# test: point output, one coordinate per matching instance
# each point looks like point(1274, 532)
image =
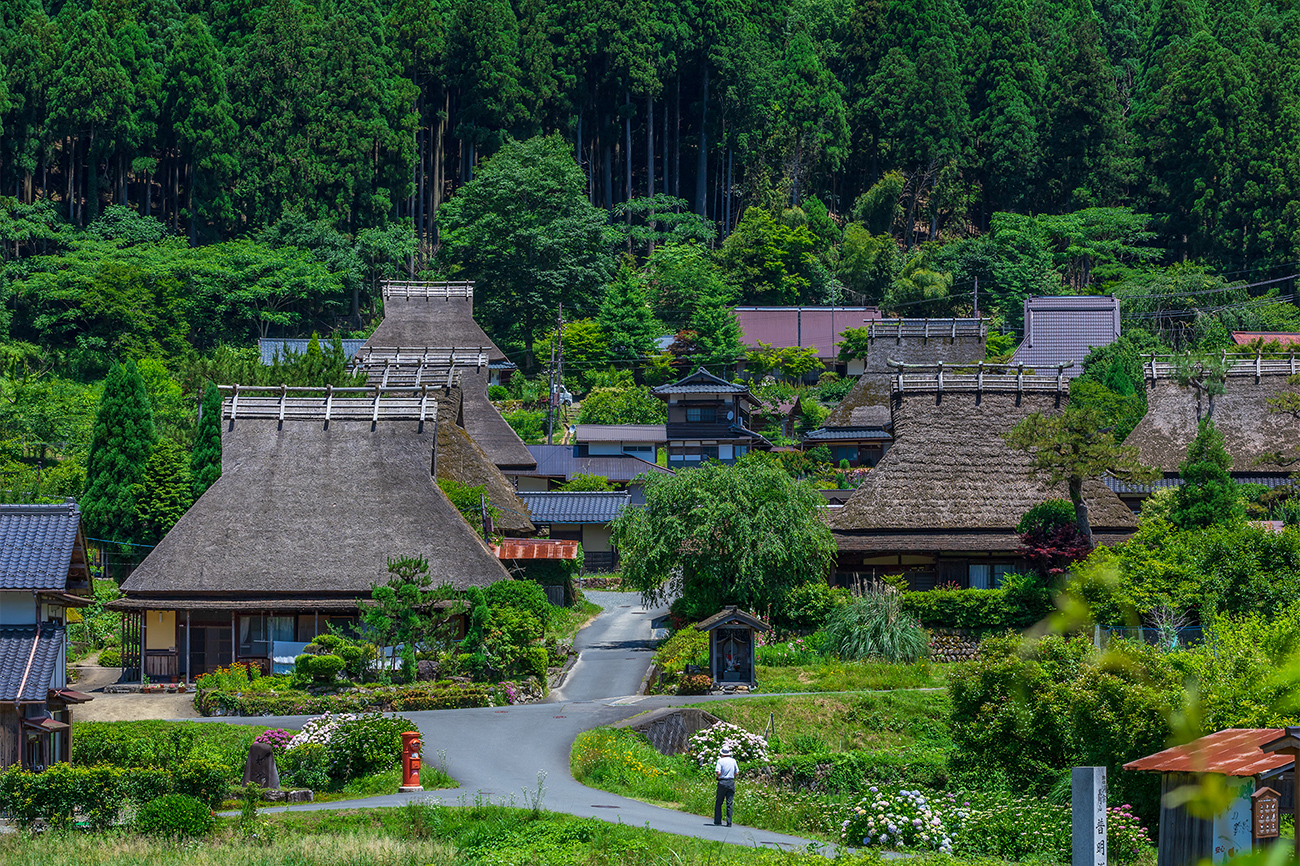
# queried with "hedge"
point(98, 794)
point(443, 695)
point(978, 609)
point(849, 772)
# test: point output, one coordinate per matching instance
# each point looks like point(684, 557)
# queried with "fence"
point(1167, 639)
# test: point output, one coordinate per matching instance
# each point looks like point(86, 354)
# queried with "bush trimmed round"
point(174, 816)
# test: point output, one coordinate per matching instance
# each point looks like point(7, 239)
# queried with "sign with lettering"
point(1233, 826)
point(1265, 813)
point(1088, 807)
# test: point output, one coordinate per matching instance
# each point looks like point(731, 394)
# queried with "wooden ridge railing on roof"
point(1243, 364)
point(330, 403)
point(926, 328)
point(411, 368)
point(979, 377)
point(427, 290)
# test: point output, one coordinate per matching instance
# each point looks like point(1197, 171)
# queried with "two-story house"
point(43, 572)
point(708, 419)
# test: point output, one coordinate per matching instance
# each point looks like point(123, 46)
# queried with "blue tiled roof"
point(24, 675)
point(557, 461)
point(283, 346)
point(36, 543)
point(561, 507)
point(872, 433)
point(1128, 488)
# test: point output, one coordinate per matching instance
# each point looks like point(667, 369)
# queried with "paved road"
point(498, 753)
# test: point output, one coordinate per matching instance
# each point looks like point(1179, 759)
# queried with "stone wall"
point(670, 730)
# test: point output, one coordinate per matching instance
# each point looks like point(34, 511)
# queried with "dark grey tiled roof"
point(270, 347)
point(20, 681)
point(1126, 488)
point(557, 461)
point(873, 433)
point(36, 544)
point(701, 382)
point(1066, 328)
point(560, 507)
point(621, 433)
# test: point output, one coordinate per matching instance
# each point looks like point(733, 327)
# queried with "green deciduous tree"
point(205, 459)
point(629, 405)
point(1208, 495)
point(122, 442)
point(1072, 448)
point(741, 534)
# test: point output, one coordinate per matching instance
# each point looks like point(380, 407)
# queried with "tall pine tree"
point(205, 461)
point(120, 446)
point(1208, 495)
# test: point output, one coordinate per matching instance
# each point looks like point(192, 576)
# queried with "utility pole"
point(557, 372)
point(977, 297)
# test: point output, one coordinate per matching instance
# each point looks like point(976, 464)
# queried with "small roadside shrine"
point(731, 646)
point(1267, 789)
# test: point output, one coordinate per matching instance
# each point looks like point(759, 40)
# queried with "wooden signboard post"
point(1265, 815)
point(1289, 744)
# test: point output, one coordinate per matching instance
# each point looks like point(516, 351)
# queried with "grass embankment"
point(826, 748)
point(565, 622)
point(416, 835)
point(833, 675)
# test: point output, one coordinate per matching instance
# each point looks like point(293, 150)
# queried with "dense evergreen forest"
point(180, 177)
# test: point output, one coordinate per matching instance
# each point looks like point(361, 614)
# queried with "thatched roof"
point(304, 507)
point(949, 470)
point(419, 321)
point(497, 438)
point(867, 405)
point(1240, 414)
point(462, 460)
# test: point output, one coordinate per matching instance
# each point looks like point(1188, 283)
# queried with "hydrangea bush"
point(980, 824)
point(706, 745)
point(321, 729)
point(277, 738)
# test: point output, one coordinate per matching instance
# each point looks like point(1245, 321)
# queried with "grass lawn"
point(837, 676)
point(416, 835)
point(566, 621)
point(826, 749)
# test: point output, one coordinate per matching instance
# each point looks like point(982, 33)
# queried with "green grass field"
point(836, 676)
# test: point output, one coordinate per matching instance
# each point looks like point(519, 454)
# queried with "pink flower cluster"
point(277, 738)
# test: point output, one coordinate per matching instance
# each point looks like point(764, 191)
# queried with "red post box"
point(410, 763)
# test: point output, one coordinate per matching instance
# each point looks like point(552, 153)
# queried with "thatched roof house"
point(425, 317)
point(304, 519)
point(462, 460)
point(1241, 414)
point(943, 504)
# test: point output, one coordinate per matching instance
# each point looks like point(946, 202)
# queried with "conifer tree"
point(1208, 495)
point(205, 461)
point(164, 494)
point(626, 317)
point(120, 446)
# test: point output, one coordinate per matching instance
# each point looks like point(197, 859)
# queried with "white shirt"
point(726, 768)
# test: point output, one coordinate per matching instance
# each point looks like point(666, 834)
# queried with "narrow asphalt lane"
point(501, 753)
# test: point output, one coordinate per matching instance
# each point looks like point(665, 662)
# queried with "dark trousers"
point(726, 791)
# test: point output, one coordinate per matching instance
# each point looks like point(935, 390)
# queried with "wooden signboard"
point(1265, 813)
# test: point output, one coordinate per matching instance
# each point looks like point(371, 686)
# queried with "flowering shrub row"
point(980, 824)
point(706, 745)
point(420, 696)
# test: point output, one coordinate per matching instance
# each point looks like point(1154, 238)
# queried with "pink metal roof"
point(536, 548)
point(819, 327)
point(1241, 338)
point(1233, 752)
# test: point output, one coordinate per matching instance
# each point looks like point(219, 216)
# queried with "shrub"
point(110, 657)
point(277, 738)
point(441, 695)
point(327, 643)
point(521, 594)
point(355, 659)
point(235, 677)
point(325, 669)
point(205, 781)
point(686, 646)
point(1046, 516)
point(1015, 606)
point(807, 606)
point(694, 684)
point(175, 816)
point(534, 662)
point(706, 745)
point(498, 392)
point(367, 744)
point(874, 625)
point(141, 785)
point(307, 766)
point(60, 793)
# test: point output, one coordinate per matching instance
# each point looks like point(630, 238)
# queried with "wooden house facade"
point(708, 419)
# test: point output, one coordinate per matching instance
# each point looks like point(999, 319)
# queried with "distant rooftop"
point(564, 507)
point(819, 328)
point(621, 432)
point(1061, 328)
point(285, 347)
point(1242, 338)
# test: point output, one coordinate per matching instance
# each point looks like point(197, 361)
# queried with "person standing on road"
point(726, 769)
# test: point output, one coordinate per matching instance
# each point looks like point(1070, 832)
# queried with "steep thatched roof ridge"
point(949, 468)
point(462, 460)
point(1240, 414)
point(417, 322)
point(497, 438)
point(304, 508)
point(912, 346)
point(863, 405)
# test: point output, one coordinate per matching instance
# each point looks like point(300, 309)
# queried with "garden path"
point(501, 753)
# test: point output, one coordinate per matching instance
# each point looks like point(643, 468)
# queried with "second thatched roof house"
point(316, 494)
point(942, 506)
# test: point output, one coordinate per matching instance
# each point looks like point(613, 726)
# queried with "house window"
point(256, 633)
point(710, 452)
point(741, 451)
point(701, 414)
point(638, 449)
point(980, 576)
point(1000, 573)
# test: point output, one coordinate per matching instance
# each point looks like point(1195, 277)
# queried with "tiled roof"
point(870, 433)
point(1129, 488)
point(26, 675)
point(270, 347)
point(621, 433)
point(536, 548)
point(701, 382)
point(819, 328)
point(1065, 328)
point(562, 507)
point(36, 543)
point(1233, 752)
point(1242, 338)
point(557, 461)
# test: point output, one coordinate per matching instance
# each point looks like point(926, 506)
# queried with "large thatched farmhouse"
point(942, 506)
point(317, 493)
point(426, 318)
